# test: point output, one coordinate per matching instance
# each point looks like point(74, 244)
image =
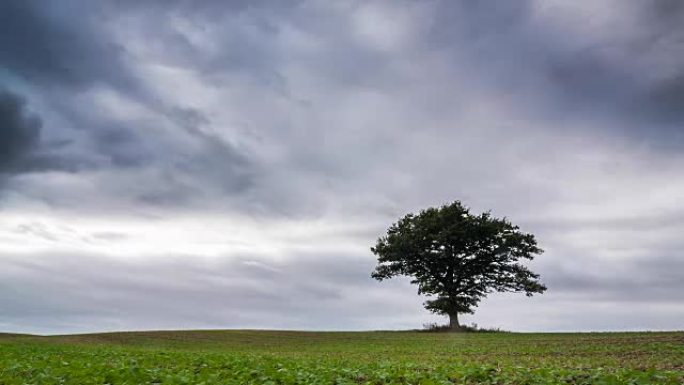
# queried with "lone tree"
point(457, 258)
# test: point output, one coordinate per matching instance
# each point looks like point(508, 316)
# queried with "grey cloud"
point(37, 230)
point(612, 80)
point(479, 22)
point(220, 160)
point(672, 219)
point(90, 292)
point(556, 313)
point(109, 236)
point(215, 8)
point(245, 28)
point(634, 79)
point(186, 176)
point(646, 279)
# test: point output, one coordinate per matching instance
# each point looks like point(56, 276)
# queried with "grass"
point(282, 357)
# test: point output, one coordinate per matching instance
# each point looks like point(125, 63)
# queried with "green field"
point(280, 357)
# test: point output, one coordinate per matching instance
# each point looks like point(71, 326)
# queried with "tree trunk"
point(453, 322)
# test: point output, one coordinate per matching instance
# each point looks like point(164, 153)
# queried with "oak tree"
point(456, 258)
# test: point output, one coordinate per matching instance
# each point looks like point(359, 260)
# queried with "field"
point(270, 357)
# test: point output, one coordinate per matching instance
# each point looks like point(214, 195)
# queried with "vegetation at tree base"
point(457, 257)
point(267, 357)
point(472, 328)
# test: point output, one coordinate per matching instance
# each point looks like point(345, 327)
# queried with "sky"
point(228, 164)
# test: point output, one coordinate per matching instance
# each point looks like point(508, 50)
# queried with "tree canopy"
point(457, 258)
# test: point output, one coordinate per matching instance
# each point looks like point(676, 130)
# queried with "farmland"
point(281, 357)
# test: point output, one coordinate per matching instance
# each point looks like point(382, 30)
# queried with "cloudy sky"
point(228, 164)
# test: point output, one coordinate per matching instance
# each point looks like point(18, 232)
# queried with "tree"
point(457, 258)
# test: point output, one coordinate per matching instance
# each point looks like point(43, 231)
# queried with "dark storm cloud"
point(21, 147)
point(20, 132)
point(58, 44)
point(61, 51)
point(65, 52)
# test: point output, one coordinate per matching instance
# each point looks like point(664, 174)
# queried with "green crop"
point(263, 357)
